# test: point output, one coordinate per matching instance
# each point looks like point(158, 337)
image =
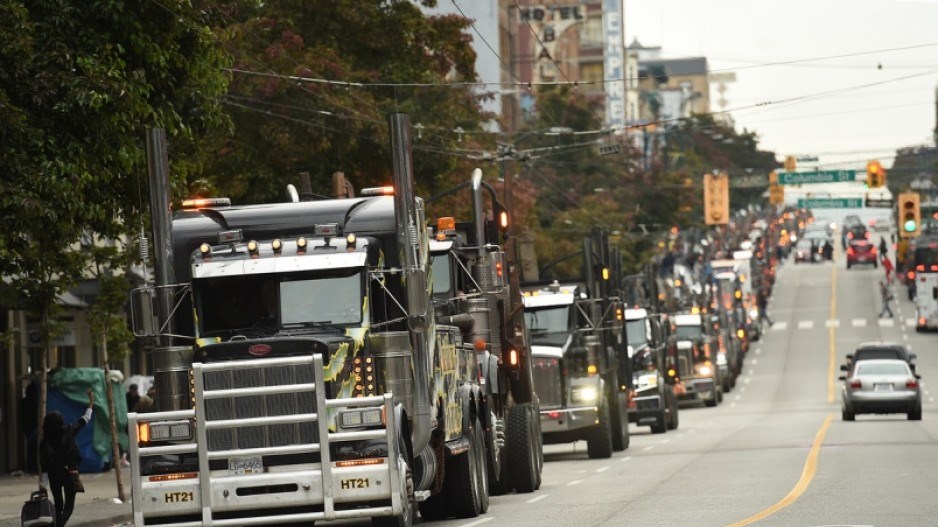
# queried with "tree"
point(81, 82)
point(283, 125)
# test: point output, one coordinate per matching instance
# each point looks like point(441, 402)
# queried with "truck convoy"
point(315, 382)
point(476, 288)
point(580, 358)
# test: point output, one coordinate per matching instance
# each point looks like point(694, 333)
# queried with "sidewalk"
point(96, 507)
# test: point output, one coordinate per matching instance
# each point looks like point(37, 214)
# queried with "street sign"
point(830, 203)
point(807, 159)
point(817, 176)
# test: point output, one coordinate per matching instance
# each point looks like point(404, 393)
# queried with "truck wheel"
point(462, 478)
point(719, 392)
point(538, 440)
point(619, 421)
point(673, 421)
point(522, 448)
point(482, 469)
point(599, 442)
point(661, 424)
point(434, 508)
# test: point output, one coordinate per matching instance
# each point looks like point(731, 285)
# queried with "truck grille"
point(684, 365)
point(260, 406)
point(547, 382)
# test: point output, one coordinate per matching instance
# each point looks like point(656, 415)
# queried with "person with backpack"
point(59, 458)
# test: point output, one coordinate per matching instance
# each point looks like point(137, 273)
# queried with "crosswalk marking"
point(910, 322)
point(886, 322)
point(780, 326)
point(832, 323)
point(806, 324)
point(858, 322)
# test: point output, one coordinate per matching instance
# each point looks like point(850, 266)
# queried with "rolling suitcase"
point(38, 511)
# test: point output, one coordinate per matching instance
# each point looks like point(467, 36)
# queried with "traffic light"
point(716, 199)
point(875, 175)
point(910, 215)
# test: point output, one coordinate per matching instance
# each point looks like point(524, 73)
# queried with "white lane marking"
point(905, 337)
point(780, 326)
point(478, 522)
point(752, 372)
point(537, 499)
point(910, 322)
point(743, 389)
point(602, 469)
point(650, 447)
point(626, 458)
point(755, 361)
point(758, 351)
point(736, 398)
point(665, 441)
point(575, 482)
point(832, 323)
point(931, 399)
point(746, 380)
point(732, 405)
point(858, 322)
point(806, 324)
point(678, 436)
point(886, 322)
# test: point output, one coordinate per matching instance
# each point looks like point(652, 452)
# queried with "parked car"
point(881, 386)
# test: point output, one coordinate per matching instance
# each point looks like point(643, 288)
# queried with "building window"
point(591, 76)
point(591, 32)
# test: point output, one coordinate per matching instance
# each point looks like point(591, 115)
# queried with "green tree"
point(81, 81)
point(283, 126)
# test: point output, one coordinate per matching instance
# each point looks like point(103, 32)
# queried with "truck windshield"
point(548, 319)
point(635, 332)
point(688, 332)
point(273, 301)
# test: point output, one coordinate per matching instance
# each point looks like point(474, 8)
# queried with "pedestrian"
point(886, 293)
point(888, 267)
point(762, 302)
point(133, 396)
point(29, 424)
point(59, 457)
point(883, 246)
point(828, 250)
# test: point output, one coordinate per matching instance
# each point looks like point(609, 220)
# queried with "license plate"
point(238, 466)
point(882, 387)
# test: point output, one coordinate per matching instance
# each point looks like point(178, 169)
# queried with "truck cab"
point(697, 365)
point(655, 402)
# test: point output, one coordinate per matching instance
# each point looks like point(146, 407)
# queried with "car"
point(861, 252)
point(881, 386)
point(806, 251)
point(880, 350)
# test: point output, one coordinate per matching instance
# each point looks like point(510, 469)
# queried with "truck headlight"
point(362, 417)
point(753, 314)
point(704, 369)
point(148, 432)
point(583, 395)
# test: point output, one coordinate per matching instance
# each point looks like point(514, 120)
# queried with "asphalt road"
point(776, 451)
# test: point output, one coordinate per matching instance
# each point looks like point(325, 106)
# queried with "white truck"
point(926, 300)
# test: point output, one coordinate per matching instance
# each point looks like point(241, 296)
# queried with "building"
point(670, 89)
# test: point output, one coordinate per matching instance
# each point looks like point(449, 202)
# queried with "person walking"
point(762, 302)
point(59, 458)
point(886, 293)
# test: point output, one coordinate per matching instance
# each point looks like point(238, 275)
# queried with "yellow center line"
point(810, 468)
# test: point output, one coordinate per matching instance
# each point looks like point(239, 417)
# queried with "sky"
point(844, 128)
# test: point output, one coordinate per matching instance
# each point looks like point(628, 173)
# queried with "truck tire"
point(619, 421)
point(462, 478)
point(599, 442)
point(482, 468)
point(713, 400)
point(523, 453)
point(661, 424)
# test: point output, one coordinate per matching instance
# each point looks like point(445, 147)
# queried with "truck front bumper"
point(647, 409)
point(701, 388)
point(566, 420)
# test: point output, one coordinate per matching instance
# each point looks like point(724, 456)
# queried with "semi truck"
point(697, 367)
point(476, 287)
point(649, 339)
point(582, 374)
point(301, 375)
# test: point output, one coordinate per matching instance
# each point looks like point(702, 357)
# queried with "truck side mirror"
point(843, 367)
point(143, 312)
point(849, 357)
point(842, 378)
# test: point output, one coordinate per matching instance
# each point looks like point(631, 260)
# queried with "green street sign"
point(817, 176)
point(830, 203)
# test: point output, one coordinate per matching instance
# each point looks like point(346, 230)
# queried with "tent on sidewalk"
point(68, 393)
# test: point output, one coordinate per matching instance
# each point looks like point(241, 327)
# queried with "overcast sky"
point(845, 128)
